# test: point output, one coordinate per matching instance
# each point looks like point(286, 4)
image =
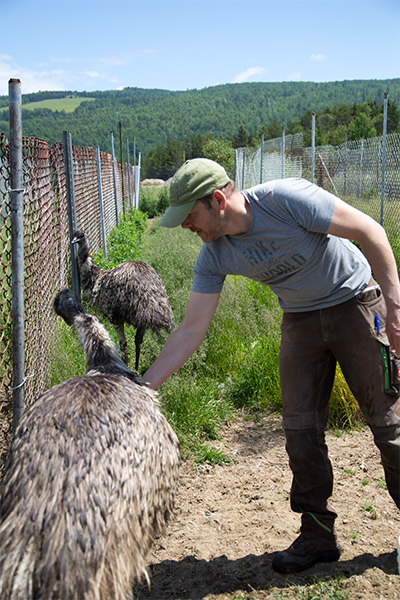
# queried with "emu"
point(132, 293)
point(90, 479)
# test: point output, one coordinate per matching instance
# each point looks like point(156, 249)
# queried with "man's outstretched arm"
point(185, 340)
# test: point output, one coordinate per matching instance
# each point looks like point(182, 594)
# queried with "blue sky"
point(88, 45)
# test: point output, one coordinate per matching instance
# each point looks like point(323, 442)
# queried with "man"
point(295, 237)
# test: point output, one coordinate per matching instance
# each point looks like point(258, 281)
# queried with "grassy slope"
point(68, 104)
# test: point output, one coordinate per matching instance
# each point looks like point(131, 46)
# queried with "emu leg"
point(138, 342)
point(123, 345)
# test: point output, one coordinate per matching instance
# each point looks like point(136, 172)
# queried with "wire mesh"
point(40, 264)
point(5, 295)
point(354, 171)
point(273, 159)
point(47, 256)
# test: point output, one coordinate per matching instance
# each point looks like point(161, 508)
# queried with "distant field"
point(68, 104)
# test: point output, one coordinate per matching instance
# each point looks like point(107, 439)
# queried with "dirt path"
point(229, 521)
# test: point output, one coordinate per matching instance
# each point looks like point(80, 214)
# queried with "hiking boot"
point(304, 553)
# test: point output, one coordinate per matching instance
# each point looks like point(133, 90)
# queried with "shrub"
point(154, 200)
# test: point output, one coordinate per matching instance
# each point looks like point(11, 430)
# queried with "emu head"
point(80, 238)
point(101, 352)
point(67, 305)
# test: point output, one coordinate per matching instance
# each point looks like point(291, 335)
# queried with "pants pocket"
point(391, 370)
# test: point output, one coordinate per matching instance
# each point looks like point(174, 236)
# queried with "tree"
point(222, 152)
point(241, 138)
point(194, 146)
point(361, 127)
point(393, 118)
point(274, 130)
point(337, 135)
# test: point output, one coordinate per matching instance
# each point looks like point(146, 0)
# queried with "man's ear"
point(220, 197)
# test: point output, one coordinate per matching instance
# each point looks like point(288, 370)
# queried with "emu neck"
point(88, 272)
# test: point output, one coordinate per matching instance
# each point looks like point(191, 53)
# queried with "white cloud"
point(318, 57)
point(94, 74)
point(57, 59)
point(41, 79)
point(249, 73)
point(294, 76)
point(31, 80)
point(120, 61)
point(114, 61)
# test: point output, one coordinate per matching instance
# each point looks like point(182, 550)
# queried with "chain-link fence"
point(365, 173)
point(273, 159)
point(47, 258)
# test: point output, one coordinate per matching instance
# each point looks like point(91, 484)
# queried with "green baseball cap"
point(195, 179)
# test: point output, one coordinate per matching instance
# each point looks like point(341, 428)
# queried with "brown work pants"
point(312, 343)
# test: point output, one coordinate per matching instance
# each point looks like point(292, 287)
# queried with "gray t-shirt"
point(287, 249)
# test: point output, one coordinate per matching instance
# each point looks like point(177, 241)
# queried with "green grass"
point(349, 471)
point(67, 104)
point(333, 588)
point(381, 483)
point(330, 589)
point(125, 241)
point(67, 358)
point(368, 507)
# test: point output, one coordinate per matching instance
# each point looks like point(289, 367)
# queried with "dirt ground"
point(230, 520)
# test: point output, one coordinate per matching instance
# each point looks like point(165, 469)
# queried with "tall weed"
point(125, 241)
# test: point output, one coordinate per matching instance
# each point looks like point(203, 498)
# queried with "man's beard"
point(217, 226)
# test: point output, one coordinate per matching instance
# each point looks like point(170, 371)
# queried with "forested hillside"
point(155, 117)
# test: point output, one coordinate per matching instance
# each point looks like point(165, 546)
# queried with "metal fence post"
point(283, 152)
point(313, 147)
point(103, 235)
point(345, 163)
point(129, 173)
point(384, 155)
point(122, 167)
point(243, 167)
point(115, 177)
point(261, 158)
point(72, 222)
point(236, 166)
point(361, 167)
point(17, 249)
point(138, 180)
point(136, 184)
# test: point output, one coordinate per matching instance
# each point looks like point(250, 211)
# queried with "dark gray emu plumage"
point(90, 479)
point(132, 293)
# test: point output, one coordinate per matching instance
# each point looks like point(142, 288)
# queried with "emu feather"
point(132, 293)
point(90, 479)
